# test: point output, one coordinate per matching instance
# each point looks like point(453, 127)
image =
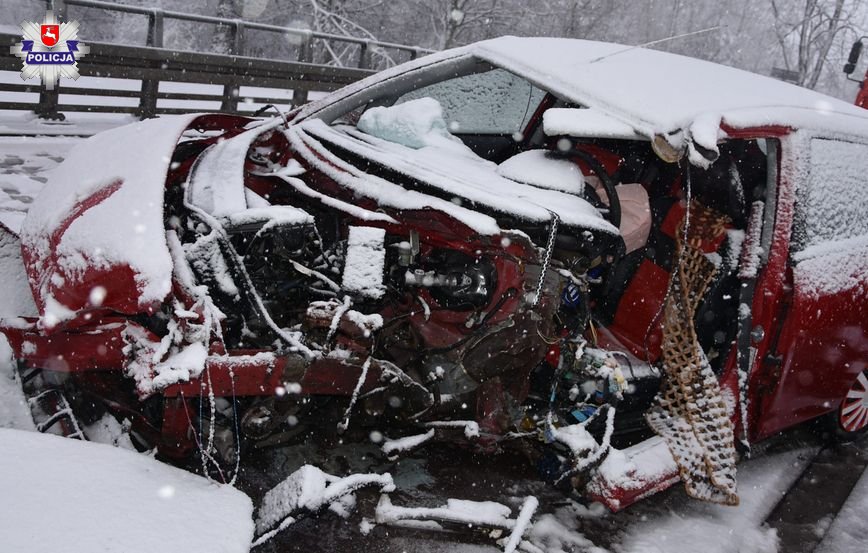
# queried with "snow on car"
point(550, 242)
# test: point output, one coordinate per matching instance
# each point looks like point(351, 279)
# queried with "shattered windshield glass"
point(493, 102)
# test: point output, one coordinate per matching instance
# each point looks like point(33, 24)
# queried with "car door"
point(823, 334)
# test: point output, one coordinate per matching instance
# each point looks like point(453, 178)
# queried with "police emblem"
point(50, 50)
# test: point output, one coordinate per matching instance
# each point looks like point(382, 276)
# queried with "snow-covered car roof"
point(652, 91)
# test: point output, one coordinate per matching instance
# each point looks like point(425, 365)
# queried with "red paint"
point(862, 95)
point(235, 375)
point(96, 349)
point(618, 497)
point(637, 322)
point(333, 377)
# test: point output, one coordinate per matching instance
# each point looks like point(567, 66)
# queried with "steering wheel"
point(608, 181)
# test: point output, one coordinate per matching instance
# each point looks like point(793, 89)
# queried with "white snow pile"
point(271, 216)
point(522, 521)
point(188, 362)
point(550, 535)
point(585, 122)
point(585, 449)
point(217, 181)
point(107, 430)
point(415, 124)
point(155, 365)
point(308, 490)
point(72, 496)
point(540, 168)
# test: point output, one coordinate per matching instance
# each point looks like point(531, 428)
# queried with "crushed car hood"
point(66, 238)
point(457, 180)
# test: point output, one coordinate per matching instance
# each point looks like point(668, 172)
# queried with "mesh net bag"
point(689, 411)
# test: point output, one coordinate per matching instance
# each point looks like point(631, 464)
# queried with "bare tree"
point(331, 16)
point(222, 42)
point(583, 18)
point(455, 22)
point(807, 35)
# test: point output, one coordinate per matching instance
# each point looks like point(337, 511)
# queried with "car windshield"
point(491, 102)
point(476, 97)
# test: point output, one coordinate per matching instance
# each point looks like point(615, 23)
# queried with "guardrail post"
point(59, 8)
point(150, 88)
point(238, 32)
point(230, 91)
point(363, 54)
point(304, 51)
point(299, 96)
point(48, 100)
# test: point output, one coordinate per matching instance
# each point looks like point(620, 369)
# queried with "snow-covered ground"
point(849, 531)
point(67, 495)
point(24, 164)
point(98, 497)
point(690, 526)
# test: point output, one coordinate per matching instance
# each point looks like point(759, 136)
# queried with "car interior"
point(498, 115)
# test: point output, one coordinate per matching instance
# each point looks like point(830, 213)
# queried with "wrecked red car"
point(544, 241)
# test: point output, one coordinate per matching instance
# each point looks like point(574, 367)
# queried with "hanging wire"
point(206, 456)
point(237, 430)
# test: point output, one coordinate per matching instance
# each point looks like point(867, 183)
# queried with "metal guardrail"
point(153, 64)
point(157, 16)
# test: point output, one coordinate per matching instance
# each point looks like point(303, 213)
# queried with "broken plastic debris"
point(404, 444)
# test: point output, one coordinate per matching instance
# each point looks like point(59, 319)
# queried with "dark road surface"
point(432, 474)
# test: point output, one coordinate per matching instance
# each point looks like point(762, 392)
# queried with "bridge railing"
point(153, 63)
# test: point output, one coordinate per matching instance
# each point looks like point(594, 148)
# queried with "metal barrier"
point(152, 64)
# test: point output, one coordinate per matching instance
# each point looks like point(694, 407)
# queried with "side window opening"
point(831, 204)
point(829, 246)
point(631, 301)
